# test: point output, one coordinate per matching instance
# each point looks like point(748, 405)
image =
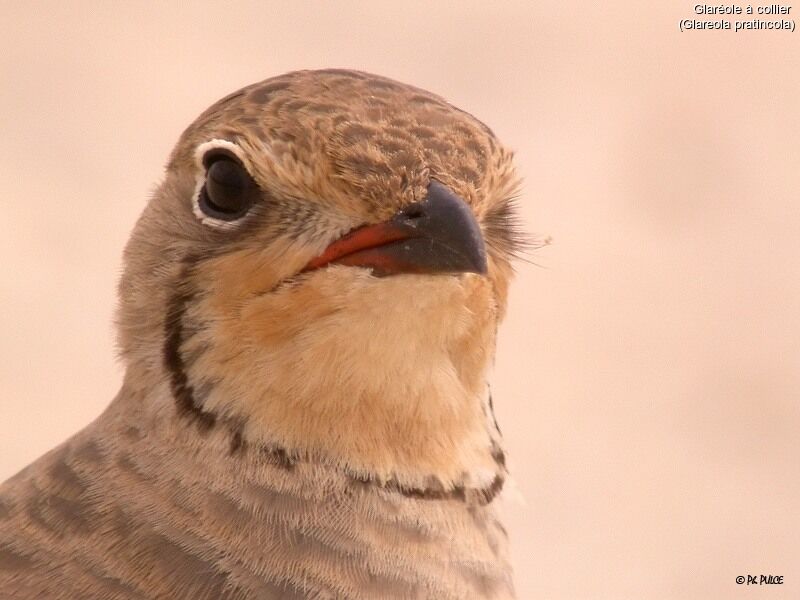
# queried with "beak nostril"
point(414, 212)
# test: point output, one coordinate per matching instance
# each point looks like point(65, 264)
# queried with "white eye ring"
point(199, 154)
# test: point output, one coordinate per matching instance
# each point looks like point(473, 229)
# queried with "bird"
point(307, 317)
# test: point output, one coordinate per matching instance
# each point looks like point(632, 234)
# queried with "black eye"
point(229, 191)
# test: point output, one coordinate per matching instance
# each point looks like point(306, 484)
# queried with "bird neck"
point(387, 381)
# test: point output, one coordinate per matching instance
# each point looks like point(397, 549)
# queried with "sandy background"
point(647, 378)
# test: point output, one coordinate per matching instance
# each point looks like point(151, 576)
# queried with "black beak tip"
point(449, 221)
point(479, 263)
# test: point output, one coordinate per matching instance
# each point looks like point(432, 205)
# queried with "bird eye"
point(229, 190)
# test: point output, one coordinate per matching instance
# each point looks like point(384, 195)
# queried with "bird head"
point(323, 269)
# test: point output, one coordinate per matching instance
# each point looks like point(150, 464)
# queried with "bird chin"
point(402, 360)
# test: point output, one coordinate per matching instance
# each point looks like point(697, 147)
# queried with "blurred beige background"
point(648, 375)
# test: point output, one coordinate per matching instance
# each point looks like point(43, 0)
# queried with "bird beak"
point(438, 235)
